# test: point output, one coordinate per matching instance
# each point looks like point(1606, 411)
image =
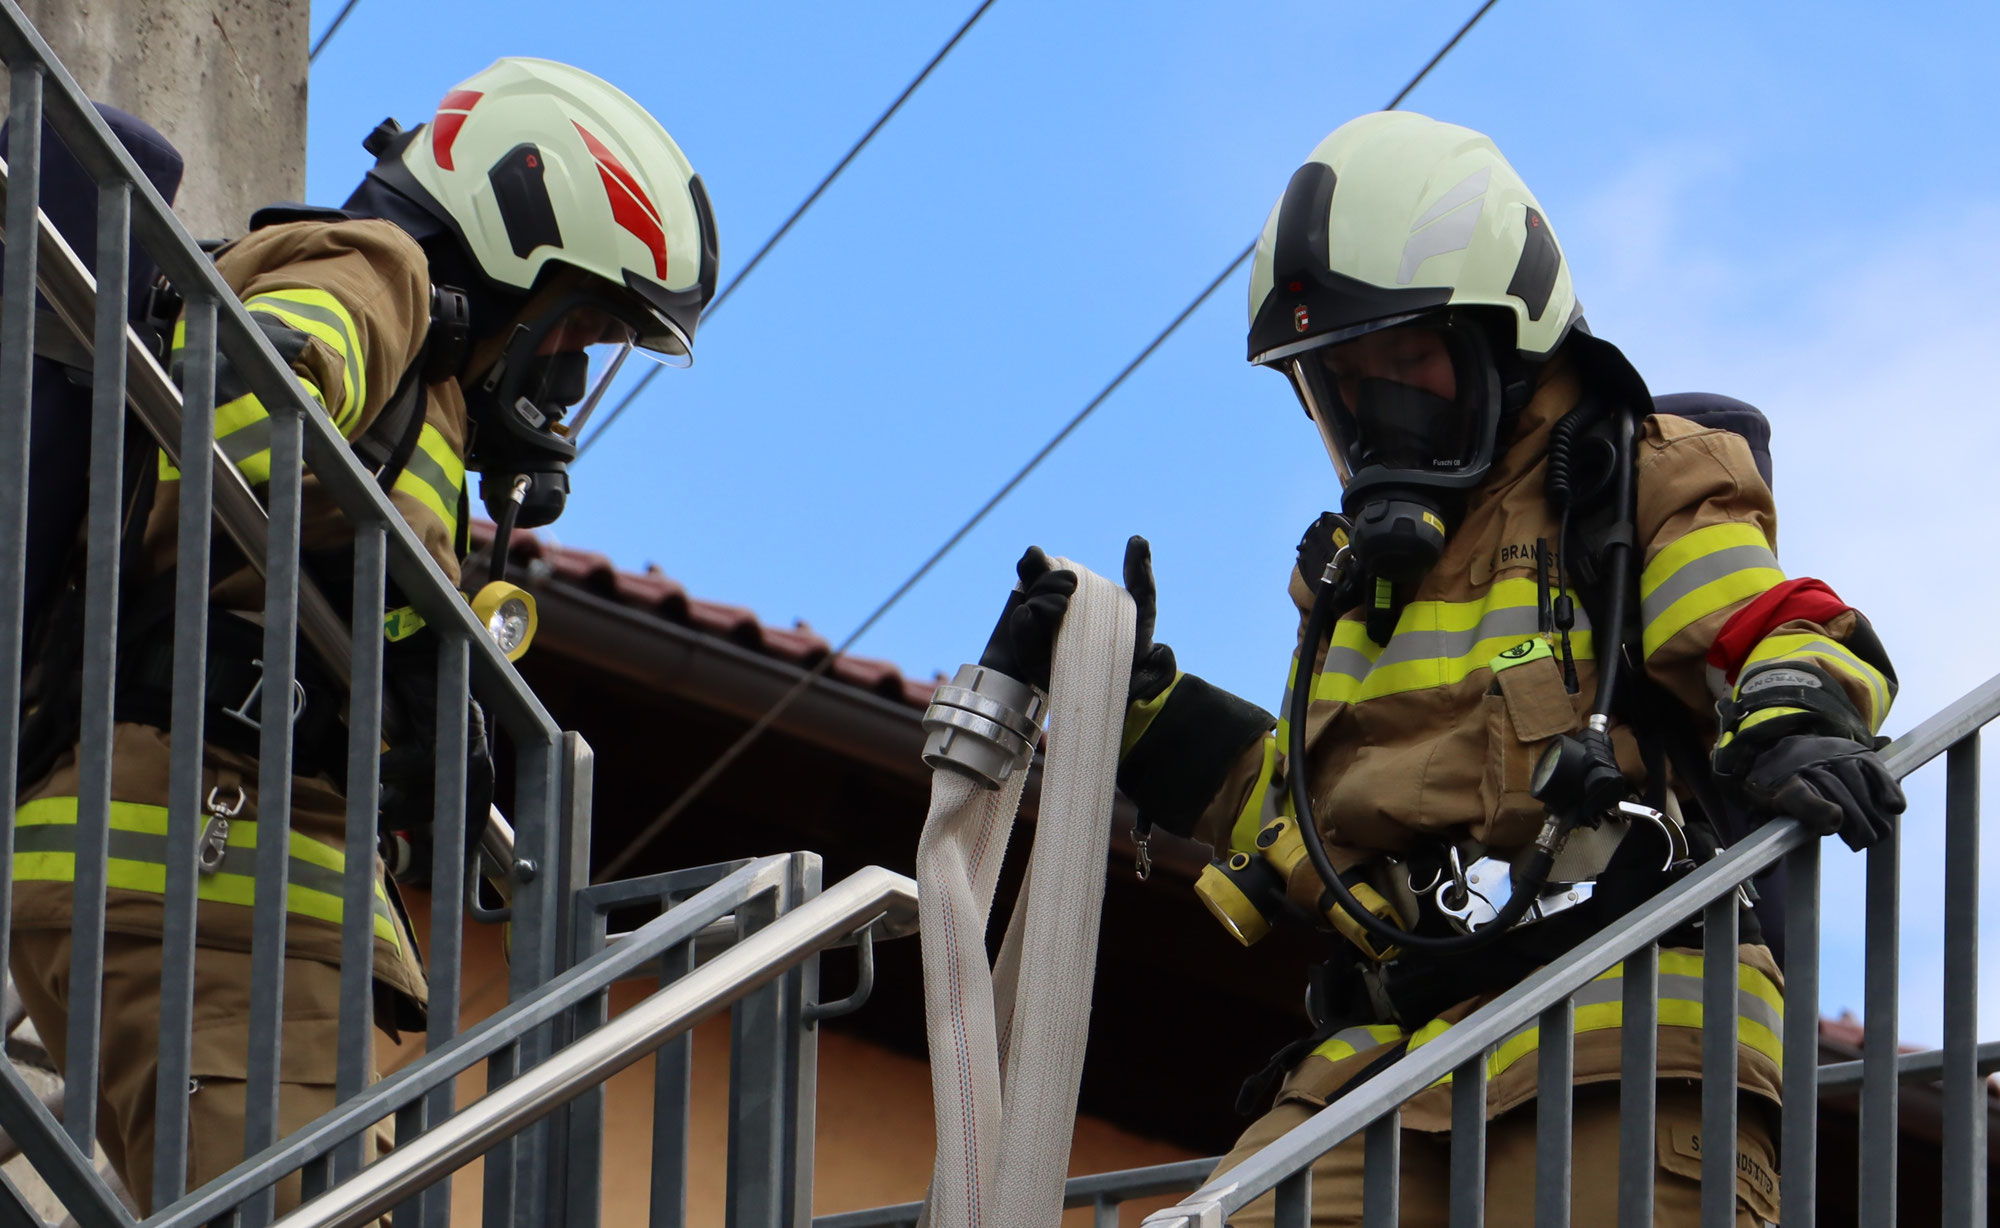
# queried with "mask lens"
point(1400, 427)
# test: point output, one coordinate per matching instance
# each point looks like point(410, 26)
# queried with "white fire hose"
point(1007, 1043)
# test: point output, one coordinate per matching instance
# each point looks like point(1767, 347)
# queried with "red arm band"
point(1802, 598)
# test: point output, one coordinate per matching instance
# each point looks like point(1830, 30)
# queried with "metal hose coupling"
point(983, 725)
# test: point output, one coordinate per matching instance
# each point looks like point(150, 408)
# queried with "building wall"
point(874, 1139)
point(224, 80)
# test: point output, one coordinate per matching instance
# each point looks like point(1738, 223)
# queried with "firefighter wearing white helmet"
point(460, 312)
point(1519, 517)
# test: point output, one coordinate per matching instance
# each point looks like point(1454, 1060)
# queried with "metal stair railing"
point(869, 897)
point(552, 768)
point(1961, 1065)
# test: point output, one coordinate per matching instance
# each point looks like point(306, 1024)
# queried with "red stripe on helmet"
point(450, 118)
point(630, 206)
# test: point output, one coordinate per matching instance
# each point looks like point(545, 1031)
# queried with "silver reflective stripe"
point(1350, 662)
point(424, 467)
point(1704, 570)
point(1748, 1005)
point(350, 359)
point(1673, 986)
point(246, 441)
point(1522, 621)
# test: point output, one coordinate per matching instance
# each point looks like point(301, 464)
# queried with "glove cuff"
point(1779, 699)
point(1184, 745)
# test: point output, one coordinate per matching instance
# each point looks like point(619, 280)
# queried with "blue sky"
point(1798, 205)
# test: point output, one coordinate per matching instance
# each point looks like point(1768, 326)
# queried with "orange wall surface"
point(873, 1139)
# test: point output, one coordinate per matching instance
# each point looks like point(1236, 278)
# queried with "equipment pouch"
point(1537, 702)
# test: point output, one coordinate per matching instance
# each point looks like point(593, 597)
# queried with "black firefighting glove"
point(1023, 643)
point(1830, 785)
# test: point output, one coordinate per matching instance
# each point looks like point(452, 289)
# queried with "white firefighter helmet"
point(1397, 216)
point(536, 163)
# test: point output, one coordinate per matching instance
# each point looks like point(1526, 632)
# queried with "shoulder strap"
point(389, 442)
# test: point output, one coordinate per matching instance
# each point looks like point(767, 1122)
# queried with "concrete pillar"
point(224, 80)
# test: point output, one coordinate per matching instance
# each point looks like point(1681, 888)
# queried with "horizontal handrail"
point(759, 959)
point(1923, 1067)
point(1123, 1185)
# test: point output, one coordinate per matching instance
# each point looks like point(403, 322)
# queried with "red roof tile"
point(656, 593)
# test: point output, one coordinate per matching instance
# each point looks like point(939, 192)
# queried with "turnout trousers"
point(1510, 1165)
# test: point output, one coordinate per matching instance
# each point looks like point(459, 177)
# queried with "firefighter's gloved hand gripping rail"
point(1007, 1042)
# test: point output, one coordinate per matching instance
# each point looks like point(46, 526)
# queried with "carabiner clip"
point(214, 841)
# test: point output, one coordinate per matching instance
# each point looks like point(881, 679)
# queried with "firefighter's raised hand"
point(1152, 664)
point(1023, 644)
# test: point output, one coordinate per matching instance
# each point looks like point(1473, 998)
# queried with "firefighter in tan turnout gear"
point(1515, 507)
point(540, 228)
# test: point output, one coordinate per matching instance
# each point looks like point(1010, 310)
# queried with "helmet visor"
point(570, 356)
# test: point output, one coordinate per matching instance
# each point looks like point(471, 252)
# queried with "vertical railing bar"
point(757, 1084)
point(497, 1207)
point(17, 354)
point(185, 766)
point(572, 870)
point(1293, 1202)
point(316, 1177)
point(583, 1184)
point(104, 535)
point(1104, 1212)
point(801, 1053)
point(447, 937)
point(274, 796)
point(1879, 1090)
point(523, 1162)
point(1638, 1086)
point(1800, 1114)
point(1965, 1092)
point(1468, 1144)
point(409, 1124)
point(673, 1076)
point(1381, 1172)
point(1555, 1057)
point(1718, 1063)
point(356, 1058)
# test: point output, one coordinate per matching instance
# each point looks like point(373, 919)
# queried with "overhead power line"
point(721, 763)
point(807, 203)
point(326, 35)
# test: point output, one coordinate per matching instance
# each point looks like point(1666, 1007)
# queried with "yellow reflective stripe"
point(1704, 571)
point(169, 472)
point(1349, 1041)
point(142, 819)
point(1436, 643)
point(1600, 1007)
point(223, 888)
point(1285, 705)
point(1243, 835)
point(434, 477)
point(1755, 719)
point(321, 315)
point(1797, 645)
